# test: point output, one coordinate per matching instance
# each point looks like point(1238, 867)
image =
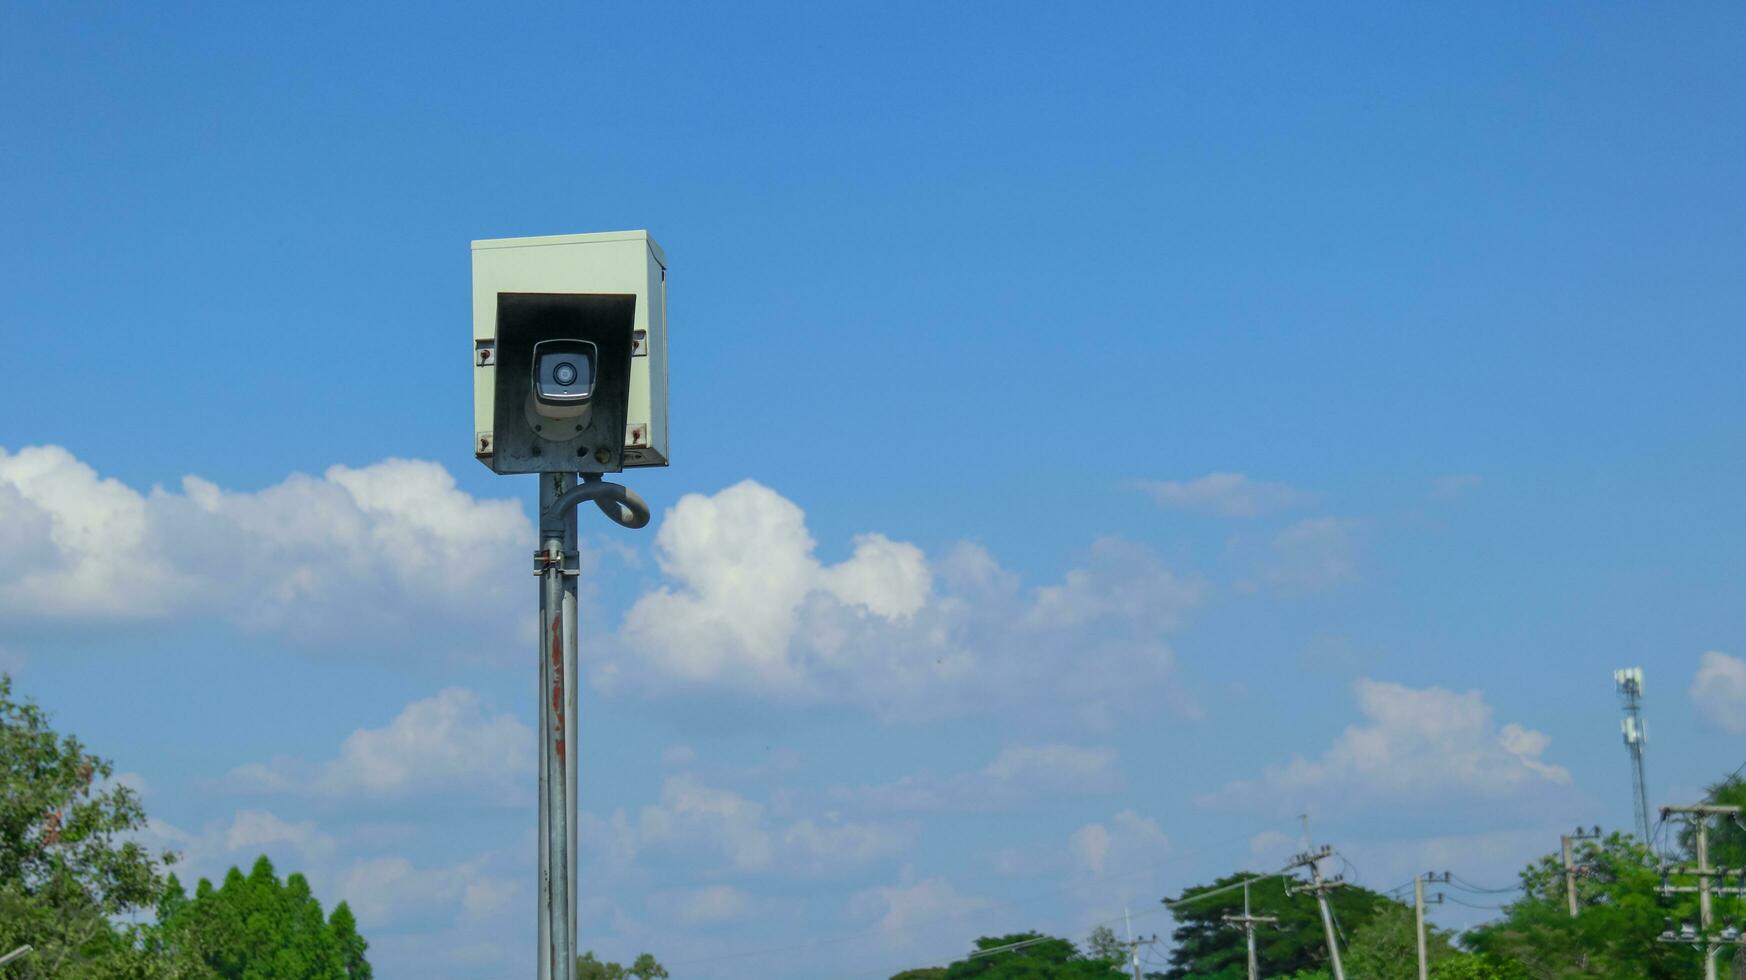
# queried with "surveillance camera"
point(570, 353)
point(563, 377)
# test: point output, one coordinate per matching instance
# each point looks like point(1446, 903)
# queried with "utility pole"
point(1703, 872)
point(1134, 953)
point(1419, 915)
point(1564, 842)
point(1320, 887)
point(1247, 923)
point(1134, 945)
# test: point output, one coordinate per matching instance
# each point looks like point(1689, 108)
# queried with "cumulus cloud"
point(748, 606)
point(912, 915)
point(1225, 494)
point(1128, 841)
point(1415, 745)
point(697, 822)
point(444, 744)
point(1719, 691)
point(356, 551)
point(711, 905)
point(384, 890)
point(1017, 775)
point(1269, 842)
point(1313, 555)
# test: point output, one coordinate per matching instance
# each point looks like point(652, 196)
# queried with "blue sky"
point(1101, 434)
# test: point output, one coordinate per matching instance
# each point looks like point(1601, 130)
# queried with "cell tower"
point(1630, 684)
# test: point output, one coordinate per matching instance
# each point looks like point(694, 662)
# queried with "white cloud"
point(1427, 745)
point(747, 606)
point(1719, 691)
point(711, 905)
point(209, 852)
point(258, 829)
point(1225, 494)
point(1313, 555)
point(391, 890)
point(1273, 842)
point(1017, 775)
point(1123, 583)
point(821, 846)
point(678, 756)
point(697, 822)
point(1128, 842)
point(355, 552)
point(444, 744)
point(743, 564)
point(912, 915)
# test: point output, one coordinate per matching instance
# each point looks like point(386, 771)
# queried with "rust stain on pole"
point(558, 684)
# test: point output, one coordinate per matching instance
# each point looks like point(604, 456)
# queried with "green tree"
point(588, 967)
point(644, 967)
point(1614, 936)
point(255, 927)
point(352, 945)
point(925, 973)
point(1104, 944)
point(1047, 958)
point(68, 871)
point(1387, 947)
point(1208, 949)
point(1472, 966)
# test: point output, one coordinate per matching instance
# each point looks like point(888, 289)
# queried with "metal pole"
point(572, 683)
point(15, 954)
point(1249, 933)
point(1703, 857)
point(1419, 922)
point(557, 959)
point(1327, 921)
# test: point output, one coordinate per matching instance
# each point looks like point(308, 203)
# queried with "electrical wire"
point(1487, 908)
point(1468, 886)
point(1347, 865)
point(1400, 888)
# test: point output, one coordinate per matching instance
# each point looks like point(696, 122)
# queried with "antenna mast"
point(1629, 682)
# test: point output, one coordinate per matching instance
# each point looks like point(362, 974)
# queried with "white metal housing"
point(614, 263)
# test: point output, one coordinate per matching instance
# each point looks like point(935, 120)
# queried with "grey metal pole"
point(15, 954)
point(1249, 935)
point(1419, 922)
point(1704, 914)
point(1327, 922)
point(557, 959)
point(572, 683)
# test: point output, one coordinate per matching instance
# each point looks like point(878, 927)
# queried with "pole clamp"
point(565, 562)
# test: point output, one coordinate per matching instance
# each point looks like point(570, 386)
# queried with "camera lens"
point(564, 374)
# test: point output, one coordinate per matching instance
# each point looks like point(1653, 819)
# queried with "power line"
point(1468, 886)
point(1471, 905)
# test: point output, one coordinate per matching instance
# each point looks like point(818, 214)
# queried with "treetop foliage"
point(75, 886)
